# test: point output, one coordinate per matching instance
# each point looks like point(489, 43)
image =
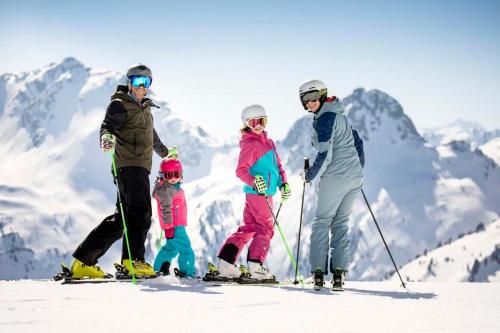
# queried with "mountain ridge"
point(421, 195)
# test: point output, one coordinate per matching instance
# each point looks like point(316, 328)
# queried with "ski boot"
point(183, 275)
point(141, 269)
point(225, 272)
point(165, 268)
point(319, 279)
point(228, 270)
point(260, 273)
point(179, 274)
point(338, 279)
point(80, 271)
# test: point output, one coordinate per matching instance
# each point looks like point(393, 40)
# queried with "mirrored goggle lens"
point(172, 174)
point(138, 81)
point(255, 122)
point(312, 96)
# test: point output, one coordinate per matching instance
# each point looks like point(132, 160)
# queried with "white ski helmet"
point(252, 111)
point(140, 70)
point(312, 85)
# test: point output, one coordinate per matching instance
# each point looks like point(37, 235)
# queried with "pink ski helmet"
point(171, 168)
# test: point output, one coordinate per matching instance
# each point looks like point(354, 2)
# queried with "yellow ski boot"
point(141, 268)
point(79, 271)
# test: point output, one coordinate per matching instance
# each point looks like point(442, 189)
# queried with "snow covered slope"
point(176, 306)
point(492, 150)
point(474, 257)
point(55, 184)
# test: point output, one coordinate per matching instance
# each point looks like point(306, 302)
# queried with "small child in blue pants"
point(172, 213)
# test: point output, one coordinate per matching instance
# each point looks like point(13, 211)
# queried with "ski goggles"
point(312, 96)
point(256, 122)
point(171, 174)
point(136, 81)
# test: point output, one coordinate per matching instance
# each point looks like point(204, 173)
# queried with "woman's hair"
point(245, 129)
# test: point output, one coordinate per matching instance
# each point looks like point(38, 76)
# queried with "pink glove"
point(169, 233)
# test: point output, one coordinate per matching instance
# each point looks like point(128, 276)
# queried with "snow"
point(492, 150)
point(473, 257)
point(177, 306)
point(459, 130)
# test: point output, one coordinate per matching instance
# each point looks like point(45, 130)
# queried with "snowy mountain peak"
point(459, 130)
point(39, 100)
point(378, 117)
point(374, 113)
point(465, 124)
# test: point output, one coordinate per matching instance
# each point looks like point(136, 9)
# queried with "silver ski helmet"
point(139, 70)
point(251, 112)
point(312, 90)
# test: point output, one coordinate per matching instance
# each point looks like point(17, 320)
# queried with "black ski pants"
point(135, 193)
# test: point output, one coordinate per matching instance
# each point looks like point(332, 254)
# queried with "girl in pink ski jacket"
point(259, 167)
point(172, 214)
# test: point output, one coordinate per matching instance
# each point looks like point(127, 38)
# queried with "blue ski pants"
point(335, 200)
point(179, 245)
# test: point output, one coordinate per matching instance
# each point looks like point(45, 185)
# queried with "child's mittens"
point(169, 233)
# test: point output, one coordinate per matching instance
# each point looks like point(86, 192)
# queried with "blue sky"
point(440, 59)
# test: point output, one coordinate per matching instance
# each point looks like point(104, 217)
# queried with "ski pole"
point(279, 208)
point(306, 166)
point(383, 239)
point(134, 281)
point(283, 236)
point(160, 241)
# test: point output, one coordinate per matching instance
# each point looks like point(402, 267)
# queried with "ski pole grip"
point(306, 163)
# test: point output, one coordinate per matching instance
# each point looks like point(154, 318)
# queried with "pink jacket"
point(258, 156)
point(171, 204)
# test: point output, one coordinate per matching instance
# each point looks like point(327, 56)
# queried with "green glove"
point(259, 185)
point(286, 192)
point(173, 152)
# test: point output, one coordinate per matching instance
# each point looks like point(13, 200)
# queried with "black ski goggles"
point(310, 96)
point(171, 174)
point(136, 81)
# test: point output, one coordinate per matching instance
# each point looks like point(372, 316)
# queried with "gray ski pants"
point(335, 200)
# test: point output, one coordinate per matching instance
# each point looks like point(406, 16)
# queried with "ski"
point(245, 278)
point(122, 273)
point(67, 278)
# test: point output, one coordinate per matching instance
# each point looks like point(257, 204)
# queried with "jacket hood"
point(332, 104)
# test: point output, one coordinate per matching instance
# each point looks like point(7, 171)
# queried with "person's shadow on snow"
point(380, 293)
point(393, 294)
point(194, 287)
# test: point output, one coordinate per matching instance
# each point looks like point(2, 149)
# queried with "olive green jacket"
point(131, 122)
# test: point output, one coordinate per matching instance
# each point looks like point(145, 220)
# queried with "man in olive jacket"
point(128, 128)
